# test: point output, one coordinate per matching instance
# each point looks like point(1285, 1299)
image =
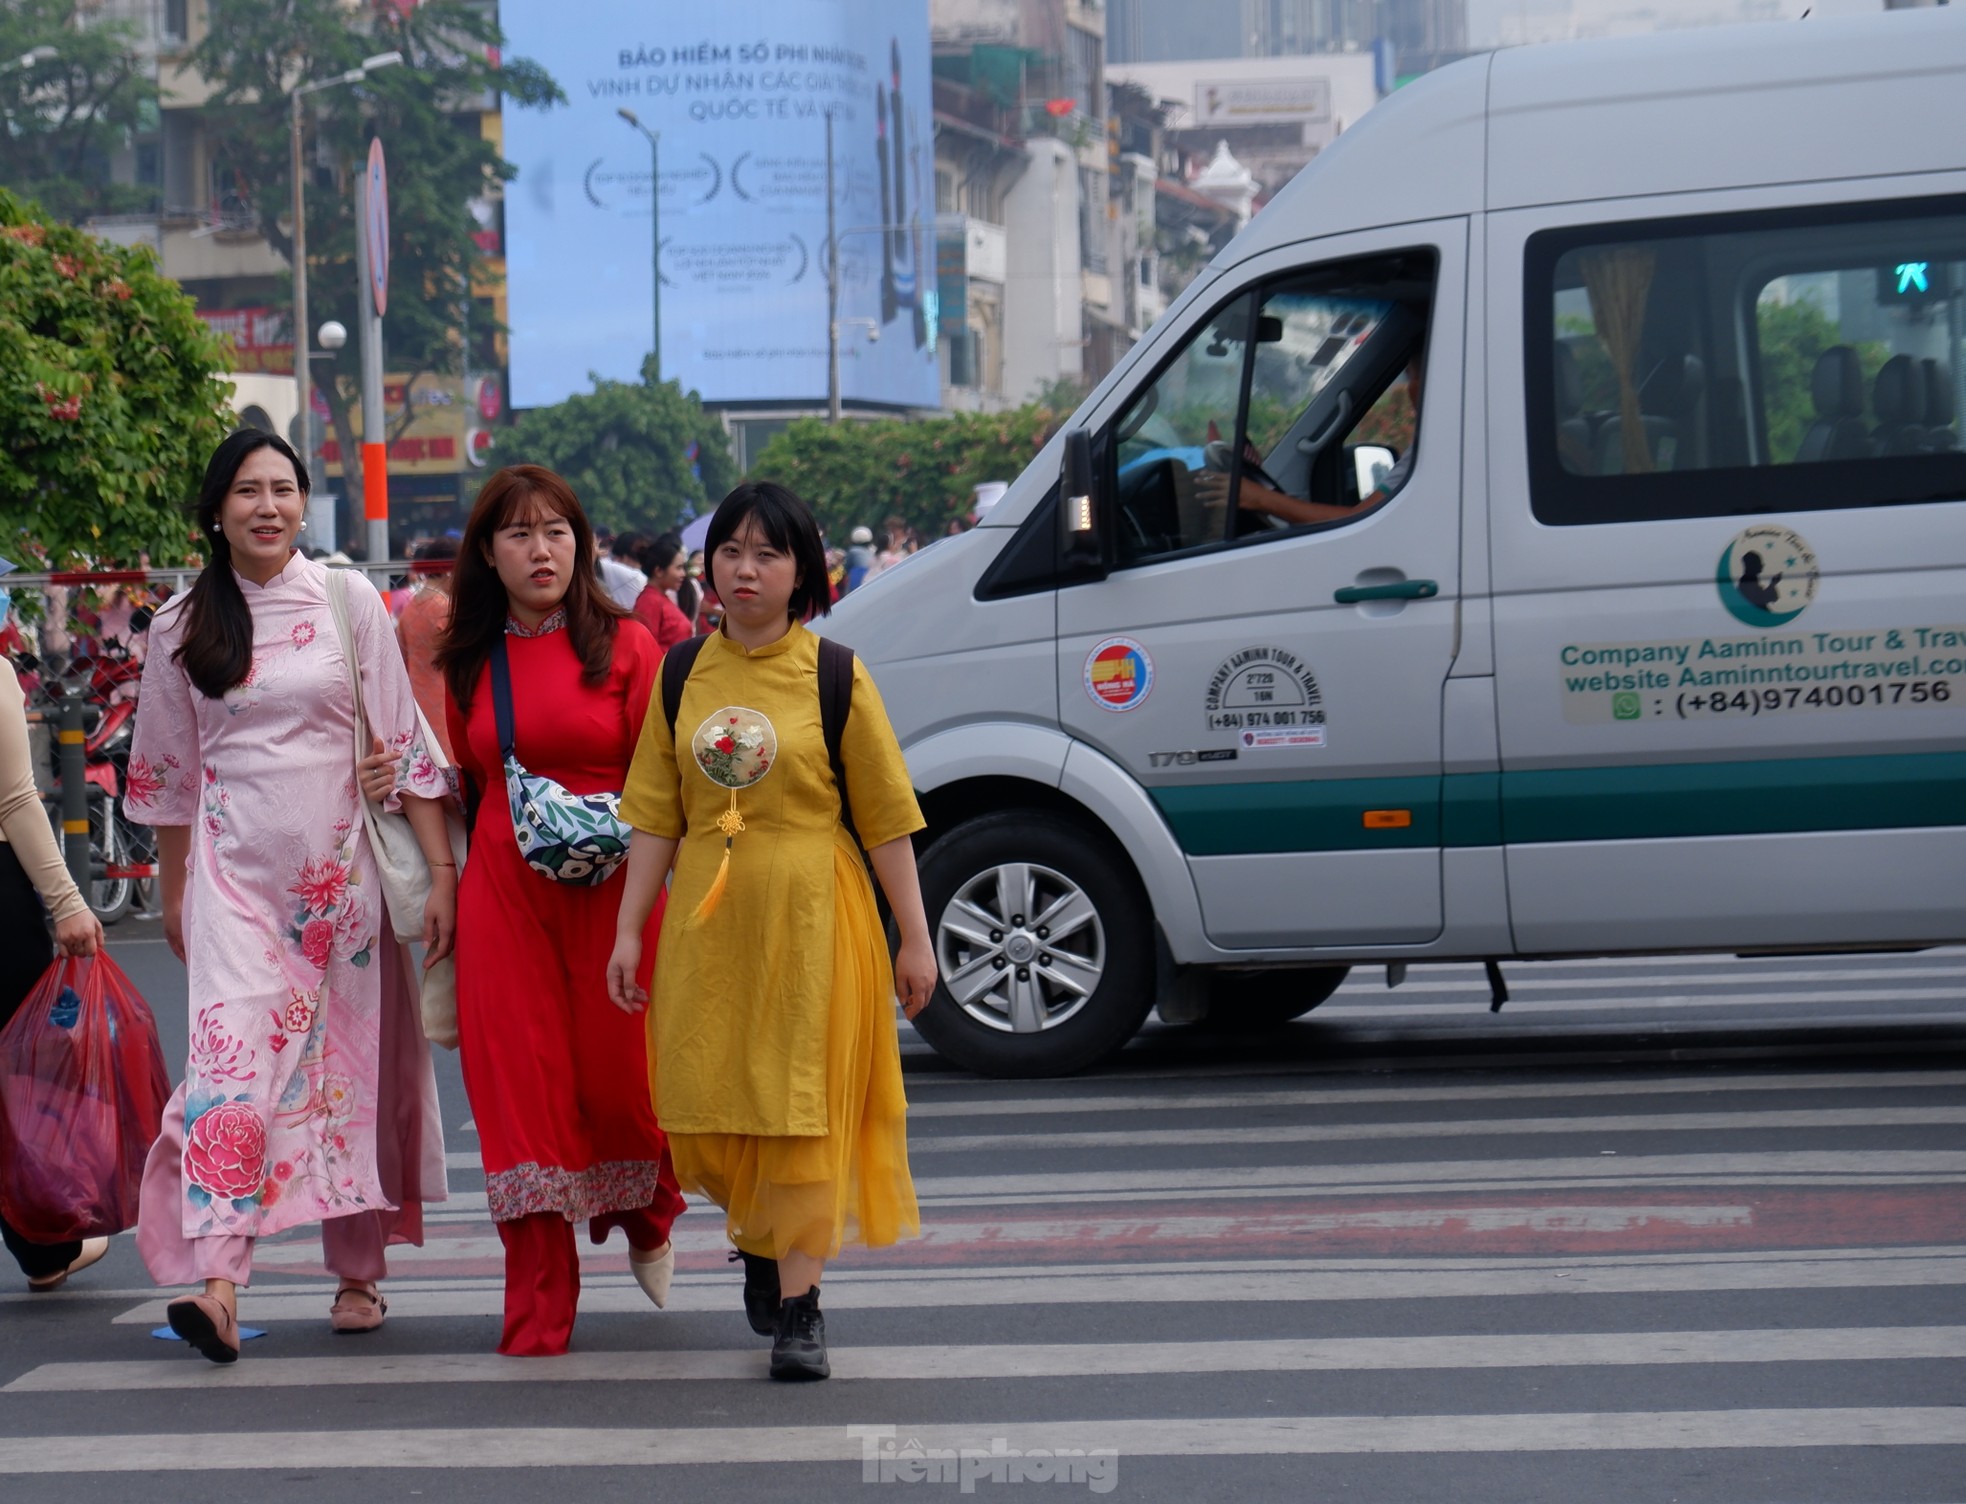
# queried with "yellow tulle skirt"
point(813, 1195)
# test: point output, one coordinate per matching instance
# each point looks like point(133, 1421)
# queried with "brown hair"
point(478, 602)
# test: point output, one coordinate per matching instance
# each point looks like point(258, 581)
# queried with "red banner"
point(261, 339)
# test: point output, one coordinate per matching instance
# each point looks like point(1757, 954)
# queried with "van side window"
point(1300, 400)
point(1794, 360)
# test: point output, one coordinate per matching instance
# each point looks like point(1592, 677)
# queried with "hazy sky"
point(1492, 21)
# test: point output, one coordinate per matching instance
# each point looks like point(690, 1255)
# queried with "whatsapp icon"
point(1626, 706)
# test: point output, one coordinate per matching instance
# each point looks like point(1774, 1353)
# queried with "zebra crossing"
point(1435, 1252)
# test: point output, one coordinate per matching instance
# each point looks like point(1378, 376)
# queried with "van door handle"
point(1399, 590)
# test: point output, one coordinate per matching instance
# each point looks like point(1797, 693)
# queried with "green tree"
point(625, 449)
point(426, 112)
point(921, 472)
point(1791, 336)
point(111, 403)
point(63, 114)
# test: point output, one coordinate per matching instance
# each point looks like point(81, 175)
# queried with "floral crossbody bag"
point(571, 838)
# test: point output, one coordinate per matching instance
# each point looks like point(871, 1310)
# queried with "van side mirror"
point(1079, 509)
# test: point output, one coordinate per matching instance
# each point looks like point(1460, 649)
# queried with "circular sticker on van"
point(1767, 575)
point(1119, 674)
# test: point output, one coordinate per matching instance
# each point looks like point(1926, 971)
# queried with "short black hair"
point(660, 552)
point(789, 526)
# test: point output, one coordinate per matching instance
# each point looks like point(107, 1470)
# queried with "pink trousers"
point(351, 1247)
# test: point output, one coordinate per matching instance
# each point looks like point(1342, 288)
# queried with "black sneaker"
point(760, 1292)
point(798, 1351)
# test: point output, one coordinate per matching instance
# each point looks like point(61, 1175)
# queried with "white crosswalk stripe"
point(1009, 1361)
point(1284, 1219)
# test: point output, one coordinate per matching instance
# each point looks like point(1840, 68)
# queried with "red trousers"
point(558, 1081)
point(542, 1273)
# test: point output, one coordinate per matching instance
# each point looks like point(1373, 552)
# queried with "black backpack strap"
point(835, 705)
point(676, 666)
point(501, 688)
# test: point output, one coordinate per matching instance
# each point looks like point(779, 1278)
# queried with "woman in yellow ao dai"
point(774, 1060)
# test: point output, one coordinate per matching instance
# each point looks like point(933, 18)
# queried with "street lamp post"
point(322, 520)
point(655, 236)
point(832, 289)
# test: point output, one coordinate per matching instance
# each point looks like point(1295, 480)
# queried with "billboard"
point(738, 95)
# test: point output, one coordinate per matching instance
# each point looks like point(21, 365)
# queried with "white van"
point(1595, 582)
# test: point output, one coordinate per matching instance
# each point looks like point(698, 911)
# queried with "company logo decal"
point(1268, 696)
point(1767, 576)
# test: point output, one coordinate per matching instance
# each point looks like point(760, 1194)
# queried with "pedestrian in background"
point(776, 1063)
point(898, 541)
point(620, 572)
point(859, 557)
point(558, 1079)
point(421, 627)
point(34, 888)
point(309, 1095)
point(656, 606)
point(689, 594)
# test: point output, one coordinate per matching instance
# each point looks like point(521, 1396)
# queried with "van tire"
point(1245, 1001)
point(1070, 852)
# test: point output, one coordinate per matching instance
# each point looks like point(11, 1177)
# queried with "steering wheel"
point(1216, 456)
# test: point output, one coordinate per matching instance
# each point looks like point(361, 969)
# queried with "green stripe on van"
point(1325, 814)
point(1735, 798)
point(1643, 802)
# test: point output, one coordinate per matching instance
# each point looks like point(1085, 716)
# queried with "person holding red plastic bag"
point(32, 875)
point(309, 1094)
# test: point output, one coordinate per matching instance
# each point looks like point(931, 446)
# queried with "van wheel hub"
point(1021, 947)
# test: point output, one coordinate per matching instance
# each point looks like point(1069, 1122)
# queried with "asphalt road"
point(1678, 1230)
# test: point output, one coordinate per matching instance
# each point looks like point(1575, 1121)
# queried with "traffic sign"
point(375, 226)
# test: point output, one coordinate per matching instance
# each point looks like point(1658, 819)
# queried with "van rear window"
point(1796, 360)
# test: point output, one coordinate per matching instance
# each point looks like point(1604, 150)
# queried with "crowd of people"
point(670, 973)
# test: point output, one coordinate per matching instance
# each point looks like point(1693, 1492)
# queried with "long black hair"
point(217, 648)
point(788, 525)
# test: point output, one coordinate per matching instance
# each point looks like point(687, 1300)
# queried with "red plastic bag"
point(82, 1094)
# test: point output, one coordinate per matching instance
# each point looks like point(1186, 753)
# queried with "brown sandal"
point(204, 1322)
point(362, 1315)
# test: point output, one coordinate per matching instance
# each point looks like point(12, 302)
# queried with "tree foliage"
point(625, 449)
point(111, 402)
point(62, 116)
point(1791, 337)
point(425, 111)
point(920, 471)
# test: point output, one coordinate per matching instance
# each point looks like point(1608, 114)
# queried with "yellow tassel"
point(715, 896)
point(730, 823)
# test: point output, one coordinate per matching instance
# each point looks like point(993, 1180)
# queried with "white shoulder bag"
point(405, 873)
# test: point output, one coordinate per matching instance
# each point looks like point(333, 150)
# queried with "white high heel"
point(654, 1275)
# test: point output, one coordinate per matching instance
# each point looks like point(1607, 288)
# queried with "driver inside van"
point(1212, 486)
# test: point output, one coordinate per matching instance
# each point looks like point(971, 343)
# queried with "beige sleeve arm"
point(23, 819)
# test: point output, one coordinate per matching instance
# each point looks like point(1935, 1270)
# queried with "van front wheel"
point(1040, 933)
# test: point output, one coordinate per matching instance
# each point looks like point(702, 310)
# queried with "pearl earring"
point(215, 527)
point(303, 524)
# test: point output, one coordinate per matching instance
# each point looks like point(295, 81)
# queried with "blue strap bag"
point(571, 838)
